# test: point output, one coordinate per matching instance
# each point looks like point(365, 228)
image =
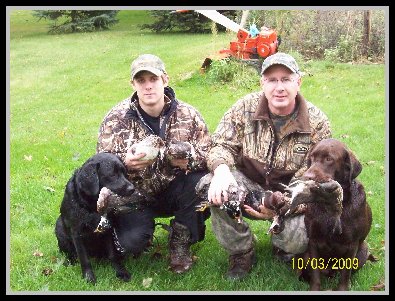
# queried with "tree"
point(78, 20)
point(190, 21)
point(367, 25)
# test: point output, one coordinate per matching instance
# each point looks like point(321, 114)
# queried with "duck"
point(245, 192)
point(110, 203)
point(152, 145)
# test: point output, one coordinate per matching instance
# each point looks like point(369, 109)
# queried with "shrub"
point(78, 20)
point(235, 72)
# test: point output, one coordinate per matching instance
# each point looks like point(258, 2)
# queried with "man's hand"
point(134, 162)
point(264, 213)
point(219, 185)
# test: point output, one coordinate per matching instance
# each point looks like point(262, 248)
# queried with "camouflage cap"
point(147, 62)
point(280, 58)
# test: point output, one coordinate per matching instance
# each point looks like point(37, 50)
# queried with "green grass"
point(61, 86)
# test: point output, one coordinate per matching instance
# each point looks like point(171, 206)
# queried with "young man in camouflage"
point(170, 183)
point(266, 135)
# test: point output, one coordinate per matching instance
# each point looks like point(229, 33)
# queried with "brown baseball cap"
point(147, 62)
point(280, 58)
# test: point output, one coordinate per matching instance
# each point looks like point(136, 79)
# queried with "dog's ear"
point(88, 179)
point(353, 167)
point(308, 155)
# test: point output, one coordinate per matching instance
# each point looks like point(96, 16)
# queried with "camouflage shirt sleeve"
point(114, 132)
point(227, 140)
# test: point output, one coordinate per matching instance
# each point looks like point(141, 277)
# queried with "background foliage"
point(336, 35)
point(189, 21)
point(77, 20)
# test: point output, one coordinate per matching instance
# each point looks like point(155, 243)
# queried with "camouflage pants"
point(237, 238)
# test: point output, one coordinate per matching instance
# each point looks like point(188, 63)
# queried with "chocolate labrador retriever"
point(79, 217)
point(336, 230)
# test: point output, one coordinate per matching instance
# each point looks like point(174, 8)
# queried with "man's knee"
point(293, 239)
point(192, 178)
point(134, 241)
point(134, 231)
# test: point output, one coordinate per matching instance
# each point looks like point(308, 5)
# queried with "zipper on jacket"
point(144, 123)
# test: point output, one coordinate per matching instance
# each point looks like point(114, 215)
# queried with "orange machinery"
point(248, 47)
point(262, 45)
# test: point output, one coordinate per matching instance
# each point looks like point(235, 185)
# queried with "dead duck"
point(276, 201)
point(329, 193)
point(246, 192)
point(111, 203)
point(152, 145)
point(181, 150)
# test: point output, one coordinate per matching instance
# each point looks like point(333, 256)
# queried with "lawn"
point(60, 88)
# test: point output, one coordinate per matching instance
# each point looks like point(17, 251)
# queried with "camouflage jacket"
point(244, 139)
point(123, 126)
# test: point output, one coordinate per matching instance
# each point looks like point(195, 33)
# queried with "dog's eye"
point(112, 177)
point(329, 159)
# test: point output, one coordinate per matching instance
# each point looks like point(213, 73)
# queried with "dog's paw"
point(90, 277)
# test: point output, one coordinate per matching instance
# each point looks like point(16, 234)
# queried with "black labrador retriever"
point(79, 217)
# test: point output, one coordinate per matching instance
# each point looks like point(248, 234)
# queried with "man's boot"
point(241, 264)
point(179, 245)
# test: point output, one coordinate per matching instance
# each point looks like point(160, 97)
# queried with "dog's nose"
point(309, 175)
point(130, 189)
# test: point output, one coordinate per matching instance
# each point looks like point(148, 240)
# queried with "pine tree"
point(190, 21)
point(78, 20)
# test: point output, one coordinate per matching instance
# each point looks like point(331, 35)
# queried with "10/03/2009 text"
point(323, 264)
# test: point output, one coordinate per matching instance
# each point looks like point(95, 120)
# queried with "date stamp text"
point(324, 264)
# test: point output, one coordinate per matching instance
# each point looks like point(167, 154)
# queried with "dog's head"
point(329, 160)
point(103, 170)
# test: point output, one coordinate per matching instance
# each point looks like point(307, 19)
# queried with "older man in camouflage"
point(169, 183)
point(266, 135)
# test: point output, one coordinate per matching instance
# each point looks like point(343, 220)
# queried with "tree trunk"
point(366, 33)
point(244, 17)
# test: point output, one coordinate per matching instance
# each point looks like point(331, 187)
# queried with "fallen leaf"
point(47, 271)
point(382, 170)
point(38, 254)
point(378, 287)
point(147, 282)
point(50, 189)
point(76, 156)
